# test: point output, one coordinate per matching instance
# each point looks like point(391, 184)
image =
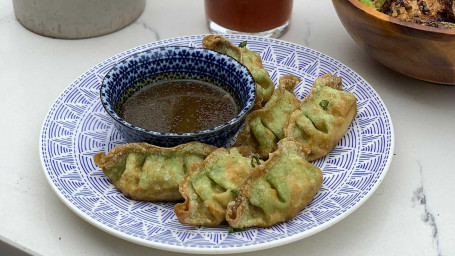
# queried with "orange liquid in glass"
point(249, 15)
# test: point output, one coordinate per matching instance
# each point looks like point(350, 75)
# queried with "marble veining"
point(148, 28)
point(306, 33)
point(427, 216)
point(7, 19)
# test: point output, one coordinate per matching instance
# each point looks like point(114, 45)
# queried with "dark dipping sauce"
point(179, 106)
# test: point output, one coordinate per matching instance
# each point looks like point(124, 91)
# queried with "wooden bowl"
point(418, 51)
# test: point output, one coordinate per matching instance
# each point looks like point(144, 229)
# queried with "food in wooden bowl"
point(422, 51)
point(433, 13)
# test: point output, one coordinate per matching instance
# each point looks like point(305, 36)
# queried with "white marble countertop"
point(411, 213)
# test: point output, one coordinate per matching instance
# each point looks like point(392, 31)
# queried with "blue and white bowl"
point(164, 63)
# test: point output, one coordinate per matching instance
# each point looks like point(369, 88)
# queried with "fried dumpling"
point(323, 117)
point(264, 127)
point(251, 59)
point(276, 190)
point(209, 186)
point(150, 173)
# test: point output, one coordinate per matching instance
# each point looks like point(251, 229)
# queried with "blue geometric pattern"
point(77, 127)
point(167, 63)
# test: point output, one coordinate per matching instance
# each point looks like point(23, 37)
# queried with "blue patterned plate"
point(77, 127)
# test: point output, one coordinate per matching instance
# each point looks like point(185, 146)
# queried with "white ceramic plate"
point(77, 127)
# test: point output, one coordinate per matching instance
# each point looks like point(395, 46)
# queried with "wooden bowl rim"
point(387, 18)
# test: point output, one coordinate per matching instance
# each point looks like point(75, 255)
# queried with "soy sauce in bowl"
point(170, 63)
point(179, 106)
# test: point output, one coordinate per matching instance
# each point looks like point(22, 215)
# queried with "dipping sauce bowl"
point(176, 63)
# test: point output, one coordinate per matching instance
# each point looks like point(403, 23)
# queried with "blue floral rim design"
point(246, 92)
point(77, 127)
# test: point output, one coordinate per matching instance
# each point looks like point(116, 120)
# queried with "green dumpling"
point(323, 117)
point(277, 190)
point(209, 186)
point(150, 173)
point(250, 59)
point(264, 127)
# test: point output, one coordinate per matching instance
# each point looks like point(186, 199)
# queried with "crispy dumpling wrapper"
point(150, 173)
point(251, 59)
point(323, 117)
point(209, 186)
point(264, 127)
point(277, 190)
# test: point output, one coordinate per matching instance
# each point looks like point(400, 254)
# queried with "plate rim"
point(214, 250)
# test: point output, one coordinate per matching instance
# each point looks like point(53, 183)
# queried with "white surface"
point(409, 214)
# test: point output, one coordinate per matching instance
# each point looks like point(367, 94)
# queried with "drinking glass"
point(256, 17)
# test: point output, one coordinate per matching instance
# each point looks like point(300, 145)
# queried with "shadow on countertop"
point(10, 250)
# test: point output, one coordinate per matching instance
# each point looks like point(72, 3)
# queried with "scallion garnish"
point(253, 159)
point(243, 44)
point(234, 192)
point(233, 230)
point(324, 104)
